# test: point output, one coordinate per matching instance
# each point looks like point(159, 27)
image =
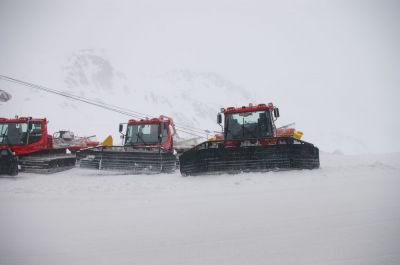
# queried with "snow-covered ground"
point(347, 212)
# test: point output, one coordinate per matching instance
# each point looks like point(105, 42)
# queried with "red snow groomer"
point(148, 148)
point(251, 142)
point(25, 143)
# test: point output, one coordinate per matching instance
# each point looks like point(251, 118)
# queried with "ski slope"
point(347, 212)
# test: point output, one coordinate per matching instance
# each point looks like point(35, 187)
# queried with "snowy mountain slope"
point(347, 212)
point(190, 98)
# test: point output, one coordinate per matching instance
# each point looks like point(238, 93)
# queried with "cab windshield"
point(145, 134)
point(248, 125)
point(14, 133)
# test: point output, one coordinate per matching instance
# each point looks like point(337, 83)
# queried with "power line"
point(186, 129)
point(70, 96)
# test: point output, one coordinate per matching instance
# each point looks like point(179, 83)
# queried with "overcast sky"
point(336, 62)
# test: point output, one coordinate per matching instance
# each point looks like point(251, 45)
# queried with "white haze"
point(331, 66)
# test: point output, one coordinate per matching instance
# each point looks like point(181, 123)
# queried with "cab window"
point(35, 133)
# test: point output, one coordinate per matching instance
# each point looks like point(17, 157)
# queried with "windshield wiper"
point(5, 137)
point(141, 139)
point(228, 131)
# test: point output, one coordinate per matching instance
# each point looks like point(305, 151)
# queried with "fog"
point(331, 66)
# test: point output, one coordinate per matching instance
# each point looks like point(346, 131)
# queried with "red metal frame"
point(168, 144)
point(258, 107)
point(45, 142)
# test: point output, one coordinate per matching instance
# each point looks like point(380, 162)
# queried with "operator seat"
point(14, 134)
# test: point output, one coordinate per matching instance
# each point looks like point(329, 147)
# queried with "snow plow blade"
point(8, 162)
point(213, 157)
point(128, 159)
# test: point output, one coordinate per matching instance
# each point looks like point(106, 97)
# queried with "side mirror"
point(276, 112)
point(30, 125)
point(121, 128)
point(219, 118)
